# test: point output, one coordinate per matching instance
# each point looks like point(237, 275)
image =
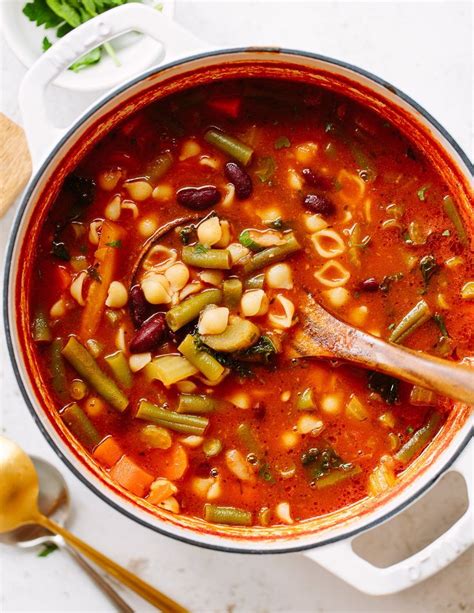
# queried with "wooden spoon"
point(323, 335)
point(19, 507)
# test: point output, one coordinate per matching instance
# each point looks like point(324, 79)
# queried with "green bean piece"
point(336, 476)
point(249, 440)
point(415, 318)
point(201, 360)
point(212, 447)
point(452, 212)
point(118, 364)
point(305, 400)
point(271, 255)
point(80, 425)
point(231, 146)
point(82, 361)
point(57, 369)
point(157, 168)
point(197, 404)
point(232, 290)
point(227, 515)
point(179, 422)
point(201, 257)
point(41, 330)
point(240, 334)
point(189, 309)
point(419, 440)
point(255, 282)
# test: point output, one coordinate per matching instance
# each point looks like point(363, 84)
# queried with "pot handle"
point(341, 560)
point(176, 42)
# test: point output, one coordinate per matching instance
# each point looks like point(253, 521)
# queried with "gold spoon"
point(320, 334)
point(19, 507)
point(54, 501)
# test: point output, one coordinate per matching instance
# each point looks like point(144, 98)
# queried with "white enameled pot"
point(327, 540)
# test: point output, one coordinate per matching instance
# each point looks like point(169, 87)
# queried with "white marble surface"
point(425, 49)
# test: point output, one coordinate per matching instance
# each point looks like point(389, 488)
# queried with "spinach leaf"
point(265, 168)
point(318, 462)
point(428, 268)
point(263, 351)
point(59, 250)
point(386, 386)
point(227, 360)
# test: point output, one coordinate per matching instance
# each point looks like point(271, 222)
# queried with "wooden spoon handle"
point(142, 588)
point(442, 376)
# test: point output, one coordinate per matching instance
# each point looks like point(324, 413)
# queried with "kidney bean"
point(240, 179)
point(198, 198)
point(319, 204)
point(202, 469)
point(150, 335)
point(311, 178)
point(140, 309)
point(368, 285)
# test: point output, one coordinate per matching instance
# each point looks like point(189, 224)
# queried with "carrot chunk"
point(131, 477)
point(63, 278)
point(107, 256)
point(108, 452)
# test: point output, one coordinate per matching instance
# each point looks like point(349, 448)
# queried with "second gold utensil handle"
point(100, 581)
point(136, 584)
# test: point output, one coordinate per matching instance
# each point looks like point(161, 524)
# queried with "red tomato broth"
point(322, 119)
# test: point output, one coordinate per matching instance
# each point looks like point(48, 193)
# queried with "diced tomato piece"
point(226, 106)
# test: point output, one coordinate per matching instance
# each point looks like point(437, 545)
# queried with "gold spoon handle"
point(142, 588)
point(99, 580)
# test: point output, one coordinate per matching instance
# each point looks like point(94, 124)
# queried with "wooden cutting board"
point(15, 162)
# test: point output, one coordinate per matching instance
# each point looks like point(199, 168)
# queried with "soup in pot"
point(167, 286)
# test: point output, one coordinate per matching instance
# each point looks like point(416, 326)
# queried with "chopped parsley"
point(421, 193)
point(200, 248)
point(47, 549)
point(94, 273)
point(116, 244)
